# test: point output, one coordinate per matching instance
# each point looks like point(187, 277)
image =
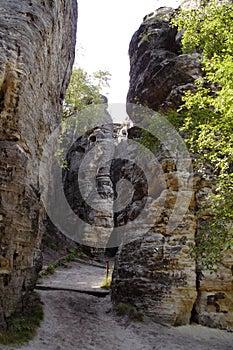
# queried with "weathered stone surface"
point(155, 273)
point(159, 73)
point(214, 304)
point(37, 40)
point(88, 186)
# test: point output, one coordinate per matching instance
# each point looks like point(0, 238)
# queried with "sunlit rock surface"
point(36, 57)
point(155, 273)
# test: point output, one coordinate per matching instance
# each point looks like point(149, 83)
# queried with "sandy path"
point(80, 276)
point(75, 321)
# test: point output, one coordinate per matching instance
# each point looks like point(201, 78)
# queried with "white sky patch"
point(105, 28)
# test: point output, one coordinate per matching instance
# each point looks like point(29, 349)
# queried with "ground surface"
point(77, 321)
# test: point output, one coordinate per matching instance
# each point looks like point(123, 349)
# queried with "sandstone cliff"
point(36, 57)
point(155, 273)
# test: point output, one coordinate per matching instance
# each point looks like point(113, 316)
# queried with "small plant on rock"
point(123, 309)
point(22, 328)
point(107, 280)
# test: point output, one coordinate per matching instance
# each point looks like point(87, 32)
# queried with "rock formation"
point(155, 272)
point(36, 57)
point(97, 219)
point(214, 304)
point(160, 73)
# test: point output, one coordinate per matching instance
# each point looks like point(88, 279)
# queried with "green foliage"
point(150, 142)
point(51, 242)
point(147, 35)
point(106, 283)
point(84, 90)
point(212, 241)
point(73, 253)
point(208, 29)
point(123, 309)
point(49, 270)
point(102, 78)
point(22, 328)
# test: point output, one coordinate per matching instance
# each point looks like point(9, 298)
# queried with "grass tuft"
point(73, 253)
point(123, 309)
point(107, 281)
point(22, 328)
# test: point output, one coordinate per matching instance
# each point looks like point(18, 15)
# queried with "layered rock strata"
point(155, 273)
point(36, 57)
point(88, 186)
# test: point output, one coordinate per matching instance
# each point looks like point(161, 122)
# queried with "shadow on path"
point(79, 276)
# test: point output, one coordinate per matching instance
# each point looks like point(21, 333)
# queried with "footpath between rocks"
point(78, 316)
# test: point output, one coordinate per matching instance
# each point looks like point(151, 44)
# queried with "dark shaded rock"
point(159, 73)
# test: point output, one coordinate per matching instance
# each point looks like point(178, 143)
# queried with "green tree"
point(84, 89)
point(208, 29)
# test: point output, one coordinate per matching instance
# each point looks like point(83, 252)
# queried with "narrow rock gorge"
point(36, 57)
point(155, 273)
point(153, 269)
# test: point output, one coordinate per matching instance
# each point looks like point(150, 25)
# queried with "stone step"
point(101, 293)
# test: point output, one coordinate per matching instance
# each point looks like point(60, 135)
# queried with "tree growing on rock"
point(208, 29)
point(84, 89)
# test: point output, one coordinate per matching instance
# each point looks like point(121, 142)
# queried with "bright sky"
point(105, 28)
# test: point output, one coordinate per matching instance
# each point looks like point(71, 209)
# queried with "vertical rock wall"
point(37, 40)
point(214, 304)
point(155, 273)
point(97, 218)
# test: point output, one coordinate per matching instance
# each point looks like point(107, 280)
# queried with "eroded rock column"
point(36, 56)
point(156, 273)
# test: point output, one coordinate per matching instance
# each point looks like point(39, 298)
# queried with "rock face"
point(159, 73)
point(155, 273)
point(84, 200)
point(36, 57)
point(214, 304)
point(95, 167)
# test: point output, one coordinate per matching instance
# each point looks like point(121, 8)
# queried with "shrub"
point(123, 309)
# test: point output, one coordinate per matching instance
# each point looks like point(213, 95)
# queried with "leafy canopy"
point(208, 29)
point(84, 89)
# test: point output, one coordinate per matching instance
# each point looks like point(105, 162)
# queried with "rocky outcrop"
point(95, 165)
point(155, 273)
point(96, 220)
point(36, 57)
point(159, 73)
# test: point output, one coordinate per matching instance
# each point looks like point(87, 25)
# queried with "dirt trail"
point(79, 276)
point(77, 321)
